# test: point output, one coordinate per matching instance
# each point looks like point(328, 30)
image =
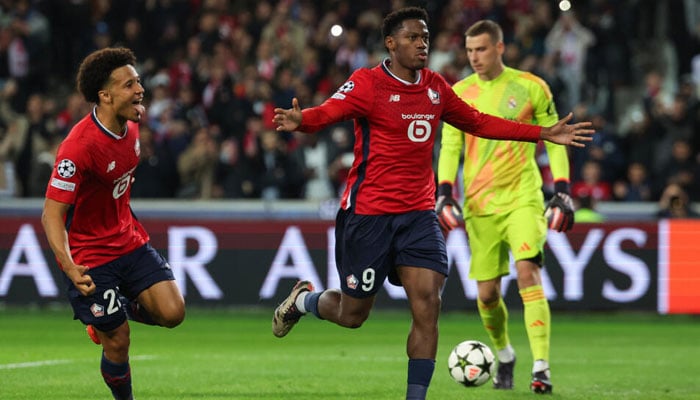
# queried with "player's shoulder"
point(360, 78)
point(469, 80)
point(432, 76)
point(527, 78)
point(80, 137)
point(367, 73)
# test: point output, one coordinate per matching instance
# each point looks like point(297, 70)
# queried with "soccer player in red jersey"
point(386, 226)
point(110, 269)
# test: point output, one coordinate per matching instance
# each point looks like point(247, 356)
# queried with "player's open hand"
point(288, 119)
point(570, 135)
point(82, 281)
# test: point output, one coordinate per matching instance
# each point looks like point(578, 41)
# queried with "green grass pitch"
point(232, 354)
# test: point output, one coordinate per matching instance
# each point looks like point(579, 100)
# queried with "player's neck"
point(405, 75)
point(110, 120)
point(493, 73)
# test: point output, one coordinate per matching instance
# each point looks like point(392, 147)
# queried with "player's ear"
point(389, 43)
point(104, 96)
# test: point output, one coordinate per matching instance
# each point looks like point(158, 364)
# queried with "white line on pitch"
point(33, 364)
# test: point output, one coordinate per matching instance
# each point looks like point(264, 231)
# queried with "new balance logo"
point(536, 324)
point(394, 98)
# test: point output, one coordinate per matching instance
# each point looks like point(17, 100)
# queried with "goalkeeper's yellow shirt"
point(500, 176)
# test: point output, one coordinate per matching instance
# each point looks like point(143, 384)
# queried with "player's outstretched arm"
point(569, 135)
point(288, 119)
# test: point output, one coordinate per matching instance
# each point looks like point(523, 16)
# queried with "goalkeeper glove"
point(449, 213)
point(560, 209)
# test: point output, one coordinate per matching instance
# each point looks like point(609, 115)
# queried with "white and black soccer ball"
point(471, 363)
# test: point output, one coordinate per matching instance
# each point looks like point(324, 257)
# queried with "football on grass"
point(471, 363)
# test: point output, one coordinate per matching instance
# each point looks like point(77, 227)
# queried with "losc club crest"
point(65, 168)
point(351, 281)
point(433, 96)
point(97, 310)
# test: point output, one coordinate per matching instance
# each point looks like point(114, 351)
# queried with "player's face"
point(485, 56)
point(409, 48)
point(126, 94)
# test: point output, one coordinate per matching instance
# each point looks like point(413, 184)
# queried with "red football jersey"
point(93, 173)
point(395, 127)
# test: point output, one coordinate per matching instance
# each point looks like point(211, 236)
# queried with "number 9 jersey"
point(395, 126)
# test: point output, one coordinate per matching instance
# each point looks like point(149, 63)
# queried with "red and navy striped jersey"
point(93, 173)
point(395, 127)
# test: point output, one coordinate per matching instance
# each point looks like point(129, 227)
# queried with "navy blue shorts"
point(369, 247)
point(126, 276)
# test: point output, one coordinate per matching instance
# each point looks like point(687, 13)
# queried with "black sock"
point(117, 377)
point(420, 371)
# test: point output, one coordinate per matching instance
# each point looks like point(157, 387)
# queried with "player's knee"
point(116, 343)
point(489, 297)
point(353, 321)
point(173, 318)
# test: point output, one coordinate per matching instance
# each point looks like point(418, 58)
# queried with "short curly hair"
point(393, 21)
point(96, 68)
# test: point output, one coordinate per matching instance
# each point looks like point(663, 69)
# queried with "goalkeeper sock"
point(540, 365)
point(494, 316)
point(537, 321)
point(420, 372)
point(117, 377)
point(506, 354)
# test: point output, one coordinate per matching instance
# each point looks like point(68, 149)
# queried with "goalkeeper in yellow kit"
point(504, 205)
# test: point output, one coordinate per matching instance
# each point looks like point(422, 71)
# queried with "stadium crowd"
point(214, 70)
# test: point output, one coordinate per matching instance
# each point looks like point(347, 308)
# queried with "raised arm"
point(570, 135)
point(288, 119)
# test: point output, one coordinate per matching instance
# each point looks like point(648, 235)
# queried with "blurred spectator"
point(674, 203)
point(351, 54)
point(154, 176)
point(591, 183)
point(26, 54)
point(75, 109)
point(313, 155)
point(233, 174)
point(680, 168)
point(442, 52)
point(42, 167)
point(638, 136)
point(636, 186)
point(196, 166)
point(673, 124)
point(569, 41)
point(26, 137)
point(41, 131)
point(656, 97)
point(278, 176)
point(187, 108)
point(339, 167)
point(605, 147)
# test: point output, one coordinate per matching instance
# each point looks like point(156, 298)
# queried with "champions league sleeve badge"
point(65, 168)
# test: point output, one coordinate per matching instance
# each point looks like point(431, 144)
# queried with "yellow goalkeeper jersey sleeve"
point(500, 175)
